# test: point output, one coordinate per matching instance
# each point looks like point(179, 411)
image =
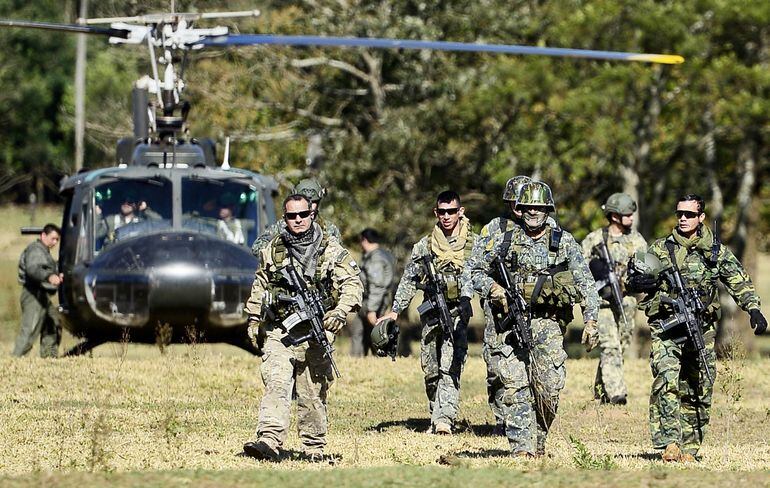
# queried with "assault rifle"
point(435, 308)
point(517, 318)
point(688, 309)
point(308, 307)
point(612, 281)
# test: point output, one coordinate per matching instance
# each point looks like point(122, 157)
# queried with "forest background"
point(385, 128)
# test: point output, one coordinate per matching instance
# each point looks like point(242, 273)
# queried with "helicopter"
point(157, 246)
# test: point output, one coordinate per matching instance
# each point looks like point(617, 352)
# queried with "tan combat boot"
point(442, 428)
point(672, 454)
point(687, 458)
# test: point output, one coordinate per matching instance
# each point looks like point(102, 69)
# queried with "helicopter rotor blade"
point(384, 43)
point(81, 29)
point(174, 17)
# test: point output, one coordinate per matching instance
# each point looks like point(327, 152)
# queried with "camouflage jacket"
point(621, 248)
point(533, 257)
point(377, 275)
point(337, 274)
point(701, 272)
point(279, 225)
point(414, 273)
point(36, 265)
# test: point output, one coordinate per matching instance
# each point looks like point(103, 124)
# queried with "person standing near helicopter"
point(39, 278)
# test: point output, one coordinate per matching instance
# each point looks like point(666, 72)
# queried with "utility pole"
point(80, 90)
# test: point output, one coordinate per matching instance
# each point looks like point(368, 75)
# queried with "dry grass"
point(146, 412)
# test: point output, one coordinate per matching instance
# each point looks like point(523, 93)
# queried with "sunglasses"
point(686, 213)
point(446, 211)
point(293, 215)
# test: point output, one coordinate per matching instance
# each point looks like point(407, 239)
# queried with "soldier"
point(615, 330)
point(39, 278)
point(548, 265)
point(315, 192)
point(377, 274)
point(300, 370)
point(442, 358)
point(496, 228)
point(681, 391)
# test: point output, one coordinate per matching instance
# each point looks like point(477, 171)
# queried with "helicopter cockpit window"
point(225, 208)
point(127, 208)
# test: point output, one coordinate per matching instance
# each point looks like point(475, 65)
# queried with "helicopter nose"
point(174, 277)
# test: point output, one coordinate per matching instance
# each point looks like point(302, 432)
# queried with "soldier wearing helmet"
point(313, 190)
point(449, 245)
point(681, 391)
point(548, 268)
point(615, 330)
point(495, 229)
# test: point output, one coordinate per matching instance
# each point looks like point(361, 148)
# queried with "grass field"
point(131, 416)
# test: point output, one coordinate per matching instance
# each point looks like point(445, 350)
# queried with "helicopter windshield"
point(129, 207)
point(225, 208)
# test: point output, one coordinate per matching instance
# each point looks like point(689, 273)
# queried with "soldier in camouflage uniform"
point(39, 278)
point(553, 275)
point(315, 192)
point(300, 370)
point(615, 334)
point(681, 391)
point(442, 358)
point(377, 275)
point(493, 230)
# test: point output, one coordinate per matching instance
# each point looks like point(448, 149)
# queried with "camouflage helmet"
point(384, 337)
point(646, 263)
point(311, 189)
point(536, 194)
point(619, 203)
point(513, 186)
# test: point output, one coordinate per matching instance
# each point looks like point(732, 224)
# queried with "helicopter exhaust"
point(140, 101)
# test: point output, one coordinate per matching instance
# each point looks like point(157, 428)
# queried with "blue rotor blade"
point(381, 43)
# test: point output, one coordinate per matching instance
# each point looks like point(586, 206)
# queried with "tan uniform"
point(302, 368)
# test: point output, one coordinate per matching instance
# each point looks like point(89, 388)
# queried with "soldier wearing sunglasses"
point(680, 400)
point(442, 358)
point(300, 370)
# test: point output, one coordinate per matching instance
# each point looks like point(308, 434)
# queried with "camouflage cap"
point(536, 194)
point(311, 189)
point(513, 186)
point(647, 263)
point(619, 203)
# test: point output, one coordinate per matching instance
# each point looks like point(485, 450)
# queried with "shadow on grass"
point(484, 453)
point(646, 456)
point(415, 425)
point(294, 455)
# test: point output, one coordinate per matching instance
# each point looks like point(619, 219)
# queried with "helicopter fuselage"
point(161, 252)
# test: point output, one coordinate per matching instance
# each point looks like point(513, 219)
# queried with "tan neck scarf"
point(453, 253)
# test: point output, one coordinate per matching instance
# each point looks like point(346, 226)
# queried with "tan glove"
point(256, 335)
point(590, 337)
point(497, 295)
point(335, 320)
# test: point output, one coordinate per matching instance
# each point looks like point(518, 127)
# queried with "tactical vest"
point(551, 291)
point(449, 271)
point(277, 285)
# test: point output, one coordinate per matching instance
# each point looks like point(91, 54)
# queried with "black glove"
point(466, 309)
point(641, 283)
point(758, 322)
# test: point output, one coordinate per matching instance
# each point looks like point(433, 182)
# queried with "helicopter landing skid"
point(84, 347)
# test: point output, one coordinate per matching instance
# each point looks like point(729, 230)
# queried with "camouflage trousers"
point(680, 399)
point(614, 338)
point(442, 363)
point(38, 317)
point(301, 371)
point(530, 384)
